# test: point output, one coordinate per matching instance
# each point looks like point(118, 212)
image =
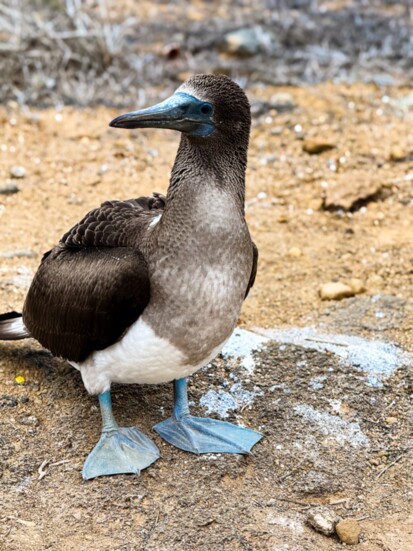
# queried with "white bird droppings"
point(344, 432)
point(377, 359)
point(242, 344)
point(223, 402)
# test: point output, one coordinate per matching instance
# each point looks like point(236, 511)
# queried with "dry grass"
point(116, 51)
point(61, 49)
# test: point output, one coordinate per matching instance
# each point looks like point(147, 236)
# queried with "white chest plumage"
point(140, 357)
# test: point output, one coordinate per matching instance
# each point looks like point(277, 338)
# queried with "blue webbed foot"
point(120, 449)
point(204, 435)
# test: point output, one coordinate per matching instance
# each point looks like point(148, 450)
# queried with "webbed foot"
point(121, 450)
point(205, 435)
point(202, 434)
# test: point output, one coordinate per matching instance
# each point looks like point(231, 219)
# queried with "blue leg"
point(119, 450)
point(203, 435)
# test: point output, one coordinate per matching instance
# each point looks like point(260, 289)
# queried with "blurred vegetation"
point(88, 51)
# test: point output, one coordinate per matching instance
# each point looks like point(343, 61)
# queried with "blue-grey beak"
point(179, 112)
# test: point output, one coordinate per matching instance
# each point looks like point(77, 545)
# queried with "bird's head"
point(205, 106)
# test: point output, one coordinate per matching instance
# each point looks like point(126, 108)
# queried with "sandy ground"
point(338, 430)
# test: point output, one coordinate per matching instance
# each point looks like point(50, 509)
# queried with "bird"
point(148, 290)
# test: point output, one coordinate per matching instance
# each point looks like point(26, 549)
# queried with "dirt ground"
point(332, 436)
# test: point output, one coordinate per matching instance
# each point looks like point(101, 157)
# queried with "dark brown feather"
point(83, 300)
point(91, 287)
point(254, 268)
point(115, 223)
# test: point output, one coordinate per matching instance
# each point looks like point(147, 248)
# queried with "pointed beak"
point(179, 112)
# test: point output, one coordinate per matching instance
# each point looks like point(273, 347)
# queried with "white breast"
point(139, 357)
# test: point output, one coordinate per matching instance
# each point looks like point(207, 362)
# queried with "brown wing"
point(254, 268)
point(91, 287)
point(115, 223)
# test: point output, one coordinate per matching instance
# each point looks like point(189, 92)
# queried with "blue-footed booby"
point(148, 290)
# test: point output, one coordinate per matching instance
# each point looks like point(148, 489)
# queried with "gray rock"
point(9, 189)
point(248, 41)
point(323, 520)
point(283, 102)
point(18, 172)
point(29, 420)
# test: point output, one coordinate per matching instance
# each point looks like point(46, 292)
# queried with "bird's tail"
point(12, 327)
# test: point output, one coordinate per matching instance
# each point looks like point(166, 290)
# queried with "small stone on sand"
point(18, 172)
point(335, 290)
point(357, 285)
point(29, 420)
point(283, 101)
point(315, 146)
point(295, 252)
point(9, 189)
point(397, 154)
point(323, 520)
point(348, 531)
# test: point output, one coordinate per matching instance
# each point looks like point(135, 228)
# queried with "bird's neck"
point(200, 165)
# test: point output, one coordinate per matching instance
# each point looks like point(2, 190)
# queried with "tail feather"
point(12, 327)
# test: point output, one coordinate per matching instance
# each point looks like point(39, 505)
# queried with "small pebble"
point(391, 420)
point(348, 531)
point(245, 42)
point(315, 146)
point(375, 281)
point(277, 131)
point(323, 520)
point(397, 154)
point(103, 169)
point(30, 420)
point(74, 200)
point(18, 172)
point(9, 189)
point(335, 290)
point(295, 252)
point(357, 285)
point(283, 101)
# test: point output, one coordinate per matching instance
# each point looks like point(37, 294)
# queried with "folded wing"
point(91, 287)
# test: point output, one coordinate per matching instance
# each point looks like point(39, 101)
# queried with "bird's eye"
point(206, 109)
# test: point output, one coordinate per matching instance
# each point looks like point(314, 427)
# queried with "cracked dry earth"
point(330, 384)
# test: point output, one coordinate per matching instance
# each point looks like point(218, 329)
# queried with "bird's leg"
point(181, 406)
point(108, 419)
point(120, 449)
point(201, 434)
